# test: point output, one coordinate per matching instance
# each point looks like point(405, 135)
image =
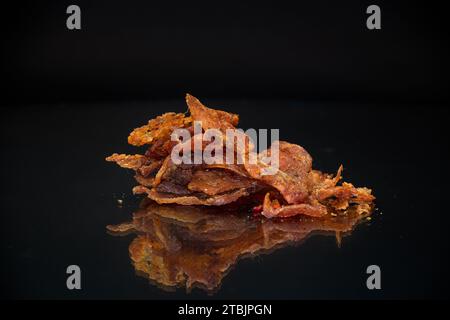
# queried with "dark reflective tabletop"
point(194, 246)
point(58, 195)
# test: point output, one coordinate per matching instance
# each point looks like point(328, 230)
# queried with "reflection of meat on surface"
point(294, 189)
point(196, 246)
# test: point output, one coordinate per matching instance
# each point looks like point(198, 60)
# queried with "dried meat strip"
point(167, 198)
point(128, 161)
point(272, 208)
point(290, 180)
point(211, 118)
point(159, 128)
point(212, 182)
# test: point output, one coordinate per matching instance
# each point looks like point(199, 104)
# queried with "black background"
point(375, 101)
point(281, 49)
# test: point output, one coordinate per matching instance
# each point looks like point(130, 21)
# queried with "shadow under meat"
point(196, 246)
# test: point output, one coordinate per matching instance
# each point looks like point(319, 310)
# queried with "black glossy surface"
point(58, 194)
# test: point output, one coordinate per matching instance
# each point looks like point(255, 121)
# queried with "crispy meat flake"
point(291, 178)
point(158, 129)
point(126, 161)
point(211, 118)
point(213, 181)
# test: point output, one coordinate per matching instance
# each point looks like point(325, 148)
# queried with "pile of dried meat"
point(294, 189)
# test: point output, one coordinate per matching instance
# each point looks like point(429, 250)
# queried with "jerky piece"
point(148, 169)
point(145, 181)
point(235, 168)
point(160, 149)
point(291, 178)
point(121, 228)
point(211, 118)
point(324, 190)
point(128, 161)
point(195, 144)
point(175, 179)
point(167, 163)
point(159, 128)
point(272, 208)
point(212, 182)
point(169, 186)
point(348, 192)
point(318, 180)
point(217, 200)
point(340, 197)
point(143, 166)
